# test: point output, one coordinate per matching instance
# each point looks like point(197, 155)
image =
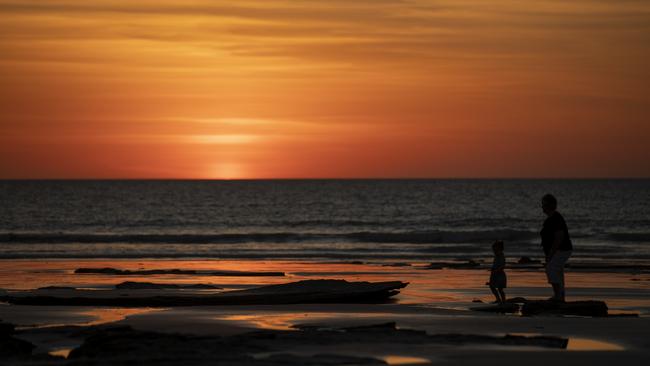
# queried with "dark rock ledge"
point(590, 308)
point(113, 345)
point(301, 292)
point(146, 272)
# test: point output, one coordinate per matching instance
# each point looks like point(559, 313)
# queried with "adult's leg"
point(550, 276)
point(555, 273)
point(558, 292)
point(496, 294)
point(503, 295)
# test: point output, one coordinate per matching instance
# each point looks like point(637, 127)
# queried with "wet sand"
point(436, 301)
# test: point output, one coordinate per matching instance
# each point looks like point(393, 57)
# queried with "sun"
point(227, 171)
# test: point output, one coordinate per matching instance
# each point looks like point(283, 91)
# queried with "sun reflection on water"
point(404, 360)
point(585, 344)
point(286, 321)
point(63, 352)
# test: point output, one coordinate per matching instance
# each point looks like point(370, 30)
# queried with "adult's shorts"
point(555, 267)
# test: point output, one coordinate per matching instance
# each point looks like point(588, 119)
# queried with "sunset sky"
point(324, 89)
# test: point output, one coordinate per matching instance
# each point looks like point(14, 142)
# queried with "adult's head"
point(549, 204)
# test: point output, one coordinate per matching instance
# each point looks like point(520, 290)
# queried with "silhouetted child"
point(498, 279)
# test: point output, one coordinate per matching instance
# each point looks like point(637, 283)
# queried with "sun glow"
point(234, 139)
point(357, 88)
point(227, 171)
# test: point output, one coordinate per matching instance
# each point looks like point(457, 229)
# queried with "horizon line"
point(327, 179)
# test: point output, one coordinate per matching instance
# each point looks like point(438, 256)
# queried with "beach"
point(317, 272)
point(436, 301)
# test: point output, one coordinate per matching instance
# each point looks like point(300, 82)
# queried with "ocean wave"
point(440, 236)
point(482, 255)
point(416, 237)
point(631, 237)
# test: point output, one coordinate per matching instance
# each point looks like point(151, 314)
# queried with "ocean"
point(316, 220)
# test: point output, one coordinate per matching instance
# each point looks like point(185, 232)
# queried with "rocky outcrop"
point(130, 285)
point(302, 292)
point(470, 264)
point(123, 345)
point(145, 272)
point(10, 346)
point(592, 308)
point(6, 329)
point(527, 260)
point(127, 346)
point(57, 288)
point(580, 308)
point(390, 333)
point(497, 308)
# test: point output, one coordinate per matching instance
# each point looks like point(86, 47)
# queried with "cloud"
point(230, 139)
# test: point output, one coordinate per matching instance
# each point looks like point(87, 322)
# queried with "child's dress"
point(498, 279)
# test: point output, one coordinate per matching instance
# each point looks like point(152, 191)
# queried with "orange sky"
point(330, 89)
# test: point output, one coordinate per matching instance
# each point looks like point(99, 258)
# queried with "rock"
point(130, 285)
point(301, 292)
point(477, 300)
point(497, 308)
point(581, 308)
point(310, 327)
point(319, 360)
point(382, 327)
point(123, 345)
point(623, 315)
point(57, 288)
point(128, 346)
point(11, 347)
point(388, 333)
point(507, 340)
point(470, 264)
point(127, 272)
point(400, 264)
point(517, 300)
point(6, 329)
point(319, 291)
point(527, 260)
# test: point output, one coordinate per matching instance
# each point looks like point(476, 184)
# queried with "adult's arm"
point(558, 237)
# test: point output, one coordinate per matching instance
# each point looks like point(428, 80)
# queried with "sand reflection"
point(582, 344)
point(286, 321)
point(585, 344)
point(109, 315)
point(63, 352)
point(404, 360)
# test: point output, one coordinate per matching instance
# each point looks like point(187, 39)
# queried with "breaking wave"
point(415, 237)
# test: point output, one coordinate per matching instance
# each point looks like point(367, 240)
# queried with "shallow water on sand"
point(451, 288)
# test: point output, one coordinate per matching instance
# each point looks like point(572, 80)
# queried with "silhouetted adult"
point(557, 246)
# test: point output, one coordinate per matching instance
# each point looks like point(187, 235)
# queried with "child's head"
point(497, 246)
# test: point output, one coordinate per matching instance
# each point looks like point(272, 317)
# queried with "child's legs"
point(503, 294)
point(496, 293)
